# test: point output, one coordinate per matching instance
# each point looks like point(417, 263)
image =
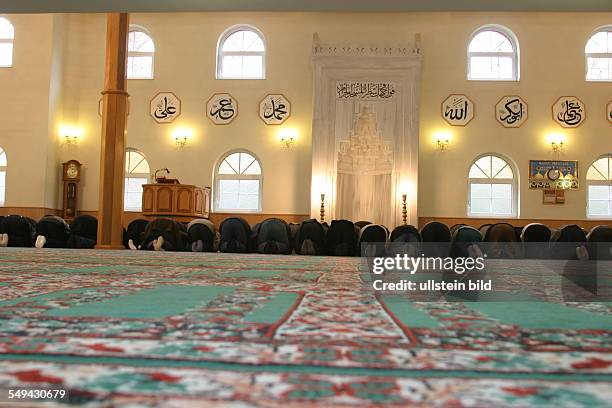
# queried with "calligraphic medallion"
point(609, 112)
point(511, 111)
point(165, 107)
point(274, 109)
point(569, 111)
point(458, 110)
point(222, 109)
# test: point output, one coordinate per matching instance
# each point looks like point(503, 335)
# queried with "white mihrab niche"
point(365, 131)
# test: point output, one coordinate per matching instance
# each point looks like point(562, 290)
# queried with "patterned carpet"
point(129, 328)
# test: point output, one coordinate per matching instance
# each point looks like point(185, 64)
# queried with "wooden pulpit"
point(175, 200)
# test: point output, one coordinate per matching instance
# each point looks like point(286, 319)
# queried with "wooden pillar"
point(114, 125)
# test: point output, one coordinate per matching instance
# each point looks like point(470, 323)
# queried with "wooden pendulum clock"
point(71, 174)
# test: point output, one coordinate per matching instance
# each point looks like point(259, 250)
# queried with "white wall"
point(552, 65)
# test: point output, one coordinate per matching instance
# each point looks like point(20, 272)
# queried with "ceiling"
point(61, 6)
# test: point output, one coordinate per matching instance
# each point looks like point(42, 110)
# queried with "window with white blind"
point(241, 54)
point(493, 188)
point(493, 54)
point(7, 36)
point(137, 173)
point(599, 188)
point(141, 54)
point(238, 183)
point(598, 55)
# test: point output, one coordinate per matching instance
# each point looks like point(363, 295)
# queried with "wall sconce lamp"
point(181, 137)
point(71, 135)
point(287, 137)
point(322, 212)
point(442, 140)
point(557, 142)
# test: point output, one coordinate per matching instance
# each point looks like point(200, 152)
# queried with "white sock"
point(582, 253)
point(131, 245)
point(3, 240)
point(158, 243)
point(40, 241)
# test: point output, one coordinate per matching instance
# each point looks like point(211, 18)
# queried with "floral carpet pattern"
point(130, 328)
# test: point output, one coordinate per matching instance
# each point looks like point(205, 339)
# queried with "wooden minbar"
point(174, 200)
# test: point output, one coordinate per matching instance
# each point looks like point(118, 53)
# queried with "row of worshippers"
point(340, 238)
point(49, 232)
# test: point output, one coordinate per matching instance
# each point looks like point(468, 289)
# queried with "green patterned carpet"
point(180, 329)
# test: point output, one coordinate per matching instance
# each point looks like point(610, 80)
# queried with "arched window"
point(238, 183)
point(141, 54)
point(493, 188)
point(599, 188)
point(7, 35)
point(598, 54)
point(241, 54)
point(136, 174)
point(2, 176)
point(493, 54)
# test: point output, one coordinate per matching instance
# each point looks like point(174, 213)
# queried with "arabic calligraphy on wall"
point(511, 111)
point(222, 108)
point(364, 90)
point(165, 107)
point(458, 110)
point(609, 112)
point(274, 109)
point(569, 111)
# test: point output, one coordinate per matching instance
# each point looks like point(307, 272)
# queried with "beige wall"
point(552, 64)
point(28, 104)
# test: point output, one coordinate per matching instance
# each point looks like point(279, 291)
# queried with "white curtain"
point(366, 197)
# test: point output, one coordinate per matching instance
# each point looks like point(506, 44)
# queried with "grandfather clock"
point(71, 174)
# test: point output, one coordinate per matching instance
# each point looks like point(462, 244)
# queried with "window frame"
point(3, 169)
point(607, 183)
point(138, 28)
point(607, 55)
point(218, 177)
point(220, 53)
point(127, 175)
point(10, 41)
point(515, 54)
point(514, 182)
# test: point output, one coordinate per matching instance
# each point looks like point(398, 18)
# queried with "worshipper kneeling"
point(202, 236)
point(235, 235)
point(164, 234)
point(569, 243)
point(436, 239)
point(372, 240)
point(132, 236)
point(310, 238)
point(272, 236)
point(600, 243)
point(17, 231)
point(83, 232)
point(52, 232)
point(405, 239)
point(341, 239)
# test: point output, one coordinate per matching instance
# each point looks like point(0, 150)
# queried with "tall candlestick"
point(322, 208)
point(404, 210)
